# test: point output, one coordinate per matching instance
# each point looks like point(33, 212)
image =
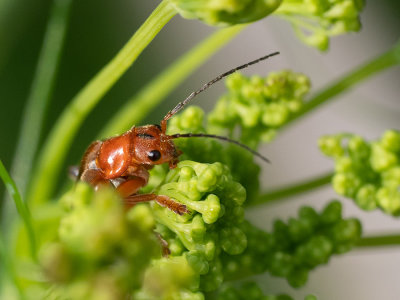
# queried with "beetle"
point(124, 161)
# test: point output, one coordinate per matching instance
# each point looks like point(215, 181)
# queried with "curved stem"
point(148, 97)
point(376, 65)
point(21, 208)
point(61, 137)
point(379, 241)
point(291, 190)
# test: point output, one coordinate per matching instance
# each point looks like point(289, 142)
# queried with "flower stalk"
point(294, 189)
point(379, 241)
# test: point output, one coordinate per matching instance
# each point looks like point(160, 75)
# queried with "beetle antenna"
point(218, 137)
point(180, 105)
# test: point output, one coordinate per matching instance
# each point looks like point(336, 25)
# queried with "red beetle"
point(123, 161)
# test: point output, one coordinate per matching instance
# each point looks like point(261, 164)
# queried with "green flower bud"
point(391, 141)
point(214, 278)
point(391, 177)
point(389, 200)
point(275, 115)
point(197, 262)
point(331, 145)
point(344, 164)
point(281, 265)
point(382, 159)
point(169, 278)
point(309, 215)
point(298, 277)
point(141, 216)
point(332, 213)
point(315, 252)
point(190, 120)
point(299, 229)
point(225, 12)
point(346, 184)
point(358, 148)
point(233, 240)
point(345, 234)
point(366, 197)
point(281, 234)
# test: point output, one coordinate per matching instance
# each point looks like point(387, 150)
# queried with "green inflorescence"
point(225, 12)
point(258, 106)
point(315, 21)
point(367, 172)
point(215, 202)
point(102, 251)
point(294, 248)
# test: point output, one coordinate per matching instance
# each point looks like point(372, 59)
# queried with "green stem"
point(376, 65)
point(292, 190)
point(8, 269)
point(378, 241)
point(60, 138)
point(21, 207)
point(148, 97)
point(40, 93)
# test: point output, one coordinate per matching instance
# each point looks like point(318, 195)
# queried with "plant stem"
point(61, 137)
point(21, 207)
point(378, 241)
point(40, 93)
point(8, 269)
point(378, 64)
point(294, 189)
point(138, 106)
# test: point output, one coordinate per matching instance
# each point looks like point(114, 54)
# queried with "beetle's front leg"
point(164, 201)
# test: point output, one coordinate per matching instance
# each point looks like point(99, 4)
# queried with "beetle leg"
point(130, 186)
point(164, 201)
point(164, 245)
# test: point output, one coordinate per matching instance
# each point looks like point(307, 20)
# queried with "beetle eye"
point(154, 155)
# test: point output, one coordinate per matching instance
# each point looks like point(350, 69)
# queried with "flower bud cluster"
point(315, 21)
point(225, 12)
point(102, 251)
point(258, 106)
point(215, 204)
point(368, 173)
point(294, 248)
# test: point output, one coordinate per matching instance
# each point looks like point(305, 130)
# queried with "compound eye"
point(154, 155)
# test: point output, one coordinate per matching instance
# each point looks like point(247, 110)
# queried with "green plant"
point(85, 246)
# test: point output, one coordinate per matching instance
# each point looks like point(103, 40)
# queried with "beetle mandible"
point(124, 161)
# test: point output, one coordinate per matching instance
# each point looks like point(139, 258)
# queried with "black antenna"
point(180, 105)
point(223, 138)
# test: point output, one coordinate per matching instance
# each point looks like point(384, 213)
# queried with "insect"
point(124, 161)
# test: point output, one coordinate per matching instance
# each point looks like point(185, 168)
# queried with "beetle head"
point(153, 147)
